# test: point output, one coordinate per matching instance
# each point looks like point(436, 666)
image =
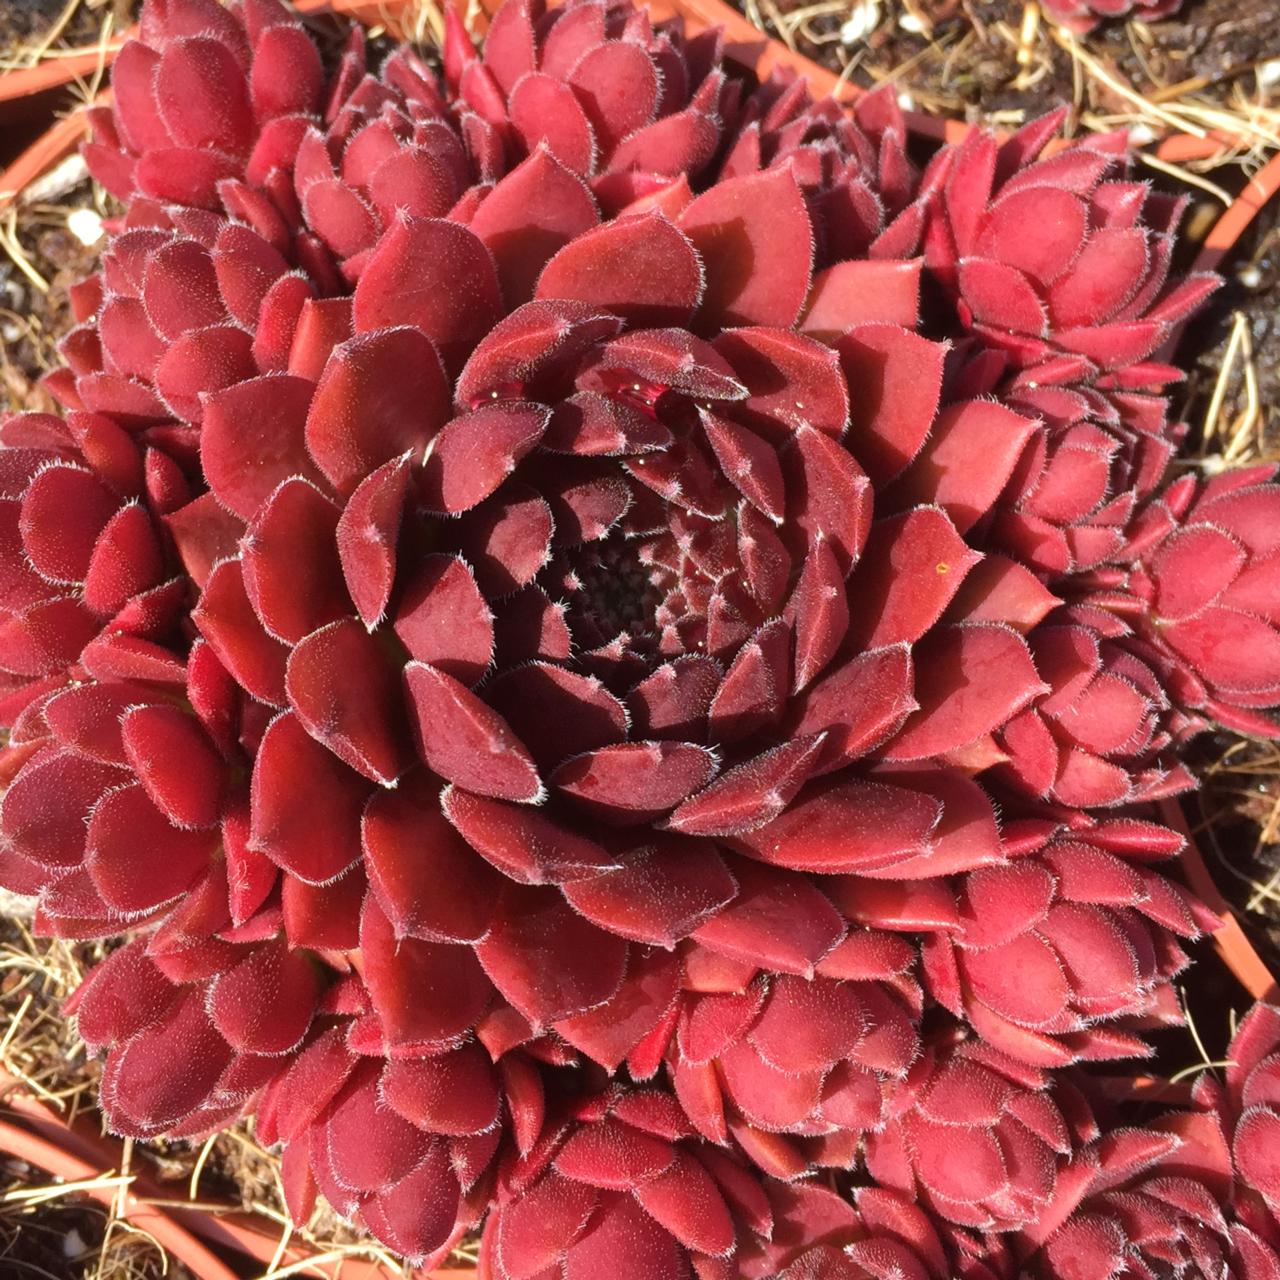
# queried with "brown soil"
point(970, 58)
point(25, 24)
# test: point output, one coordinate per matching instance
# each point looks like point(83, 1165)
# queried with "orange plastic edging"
point(76, 1151)
point(1231, 942)
point(1244, 208)
point(56, 1160)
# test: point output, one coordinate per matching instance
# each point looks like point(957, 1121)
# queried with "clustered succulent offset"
point(595, 703)
point(1082, 16)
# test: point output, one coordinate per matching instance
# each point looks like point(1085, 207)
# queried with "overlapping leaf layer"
point(608, 635)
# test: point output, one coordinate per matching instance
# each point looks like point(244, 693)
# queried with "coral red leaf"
point(970, 679)
point(252, 439)
point(779, 919)
point(846, 825)
point(546, 959)
point(633, 782)
point(752, 793)
point(176, 763)
point(523, 843)
point(381, 394)
point(538, 208)
point(290, 563)
point(265, 1004)
point(662, 893)
point(305, 804)
point(435, 276)
point(366, 537)
point(756, 243)
point(473, 454)
point(430, 883)
point(136, 857)
point(641, 269)
point(465, 741)
point(346, 694)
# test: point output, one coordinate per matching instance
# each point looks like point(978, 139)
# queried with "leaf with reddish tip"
point(525, 844)
point(253, 438)
point(618, 86)
point(846, 825)
point(429, 882)
point(366, 536)
point(896, 378)
point(225, 617)
point(425, 993)
point(475, 453)
point(290, 563)
point(970, 679)
point(435, 276)
point(641, 269)
point(967, 460)
point(176, 763)
point(305, 804)
point(538, 208)
point(346, 694)
point(381, 394)
point(1234, 651)
point(756, 243)
point(467, 742)
point(266, 1003)
point(546, 959)
point(1001, 297)
point(857, 705)
point(779, 919)
point(634, 782)
point(444, 620)
point(751, 793)
point(662, 893)
point(136, 858)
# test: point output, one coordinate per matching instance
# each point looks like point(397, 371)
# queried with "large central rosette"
point(592, 569)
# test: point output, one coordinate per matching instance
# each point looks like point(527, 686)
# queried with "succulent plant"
point(1081, 16)
point(595, 701)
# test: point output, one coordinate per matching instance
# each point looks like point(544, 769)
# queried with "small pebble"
point(85, 225)
point(863, 19)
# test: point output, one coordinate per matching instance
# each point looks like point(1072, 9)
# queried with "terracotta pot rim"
point(1230, 941)
point(75, 1150)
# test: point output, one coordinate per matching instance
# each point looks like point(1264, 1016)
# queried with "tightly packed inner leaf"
point(607, 635)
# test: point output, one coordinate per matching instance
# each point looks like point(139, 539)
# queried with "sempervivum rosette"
point(979, 1138)
point(621, 1185)
point(205, 95)
point(1083, 15)
point(1194, 1193)
point(1193, 596)
point(1067, 952)
point(1060, 262)
point(638, 108)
